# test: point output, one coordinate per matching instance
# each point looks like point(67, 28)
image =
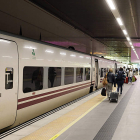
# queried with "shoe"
point(120, 93)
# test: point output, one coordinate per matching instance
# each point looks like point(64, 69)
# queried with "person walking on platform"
point(130, 76)
point(111, 80)
point(104, 82)
point(120, 79)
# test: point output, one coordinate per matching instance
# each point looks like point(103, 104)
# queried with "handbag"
point(105, 81)
point(103, 92)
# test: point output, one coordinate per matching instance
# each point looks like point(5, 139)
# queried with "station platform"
point(91, 118)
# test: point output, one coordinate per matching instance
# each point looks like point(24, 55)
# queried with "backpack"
point(120, 76)
point(109, 78)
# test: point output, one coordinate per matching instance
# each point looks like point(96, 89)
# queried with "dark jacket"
point(111, 78)
point(120, 76)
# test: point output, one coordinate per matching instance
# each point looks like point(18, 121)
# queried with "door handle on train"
point(0, 94)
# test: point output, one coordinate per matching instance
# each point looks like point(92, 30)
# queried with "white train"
point(36, 77)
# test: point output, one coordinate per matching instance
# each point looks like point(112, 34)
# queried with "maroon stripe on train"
point(42, 94)
point(30, 103)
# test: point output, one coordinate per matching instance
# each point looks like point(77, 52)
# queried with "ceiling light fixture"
point(125, 32)
point(128, 38)
point(119, 21)
point(111, 4)
point(130, 43)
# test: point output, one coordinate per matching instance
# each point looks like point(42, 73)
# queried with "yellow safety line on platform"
point(55, 128)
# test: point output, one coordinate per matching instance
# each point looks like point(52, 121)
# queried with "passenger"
point(120, 79)
point(37, 78)
point(104, 82)
point(111, 80)
point(127, 71)
point(130, 76)
point(52, 75)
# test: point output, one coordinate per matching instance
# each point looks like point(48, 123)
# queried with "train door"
point(8, 82)
point(96, 73)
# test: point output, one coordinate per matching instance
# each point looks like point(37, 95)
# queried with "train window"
point(102, 72)
point(69, 75)
point(105, 71)
point(54, 77)
point(8, 78)
point(79, 74)
point(32, 79)
point(87, 74)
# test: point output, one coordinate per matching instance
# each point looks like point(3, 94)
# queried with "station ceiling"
point(95, 18)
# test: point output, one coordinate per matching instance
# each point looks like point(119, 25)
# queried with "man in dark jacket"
point(111, 80)
point(120, 79)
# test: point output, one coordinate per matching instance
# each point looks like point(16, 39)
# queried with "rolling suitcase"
point(126, 80)
point(114, 96)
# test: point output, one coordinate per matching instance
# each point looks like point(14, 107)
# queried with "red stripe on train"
point(31, 97)
point(30, 103)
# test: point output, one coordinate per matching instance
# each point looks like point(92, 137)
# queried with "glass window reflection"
point(54, 77)
point(69, 76)
point(79, 74)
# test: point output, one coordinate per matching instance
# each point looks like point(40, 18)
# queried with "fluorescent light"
point(111, 4)
point(62, 53)
point(128, 38)
point(130, 43)
point(132, 47)
point(2, 40)
point(49, 51)
point(81, 56)
point(119, 21)
point(125, 32)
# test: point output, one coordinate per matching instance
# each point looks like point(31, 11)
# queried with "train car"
point(36, 77)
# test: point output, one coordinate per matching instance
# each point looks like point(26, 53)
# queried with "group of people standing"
point(111, 79)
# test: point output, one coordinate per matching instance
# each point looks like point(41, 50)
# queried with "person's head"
point(110, 70)
point(121, 69)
